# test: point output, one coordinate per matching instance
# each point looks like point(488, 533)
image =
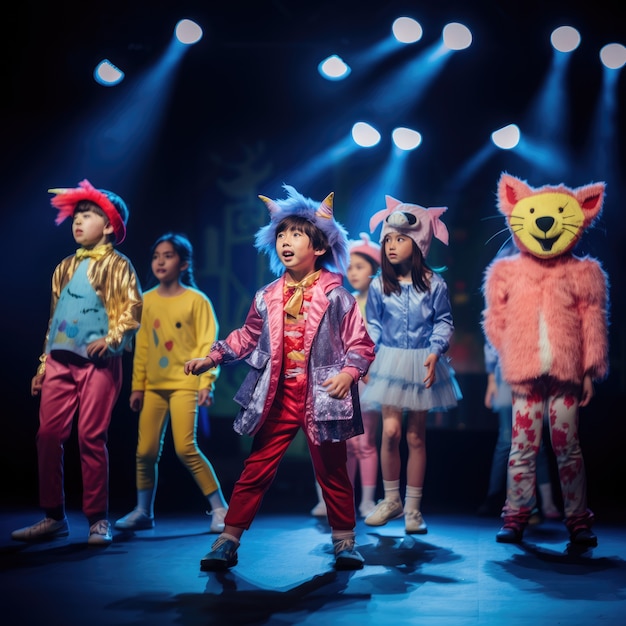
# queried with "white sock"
point(216, 500)
point(368, 493)
point(392, 489)
point(145, 501)
point(413, 498)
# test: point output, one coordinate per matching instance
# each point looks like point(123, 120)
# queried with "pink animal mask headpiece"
point(414, 221)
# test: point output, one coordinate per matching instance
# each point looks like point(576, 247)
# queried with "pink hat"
point(366, 247)
point(66, 200)
point(414, 221)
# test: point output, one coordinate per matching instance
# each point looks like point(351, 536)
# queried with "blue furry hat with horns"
point(318, 213)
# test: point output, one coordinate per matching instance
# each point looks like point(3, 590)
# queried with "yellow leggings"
point(180, 408)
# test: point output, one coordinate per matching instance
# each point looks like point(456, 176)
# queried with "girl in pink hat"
point(410, 321)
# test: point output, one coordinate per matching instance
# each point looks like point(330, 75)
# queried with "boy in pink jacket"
point(307, 347)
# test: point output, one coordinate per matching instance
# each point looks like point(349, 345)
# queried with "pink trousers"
point(74, 386)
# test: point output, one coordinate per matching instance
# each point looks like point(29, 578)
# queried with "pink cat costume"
point(546, 315)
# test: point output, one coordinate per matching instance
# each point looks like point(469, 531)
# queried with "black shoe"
point(346, 557)
point(223, 555)
point(509, 534)
point(583, 537)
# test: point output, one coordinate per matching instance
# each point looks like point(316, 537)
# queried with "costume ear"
point(590, 198)
point(440, 230)
point(271, 205)
point(325, 209)
point(379, 216)
point(510, 191)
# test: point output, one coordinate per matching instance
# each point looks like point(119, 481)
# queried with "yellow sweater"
point(173, 330)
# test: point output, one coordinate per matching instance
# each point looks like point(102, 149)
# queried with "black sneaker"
point(510, 534)
point(583, 537)
point(223, 555)
point(346, 557)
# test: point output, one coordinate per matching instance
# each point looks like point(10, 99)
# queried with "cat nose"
point(544, 223)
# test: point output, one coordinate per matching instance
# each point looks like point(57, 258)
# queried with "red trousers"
point(74, 385)
point(284, 420)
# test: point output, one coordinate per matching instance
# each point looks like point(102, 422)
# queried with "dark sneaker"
point(222, 556)
point(510, 534)
point(346, 557)
point(47, 528)
point(583, 537)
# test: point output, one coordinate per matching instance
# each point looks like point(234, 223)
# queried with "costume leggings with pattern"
point(178, 407)
point(284, 420)
point(530, 404)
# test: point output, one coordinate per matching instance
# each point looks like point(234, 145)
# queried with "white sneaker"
point(385, 511)
point(47, 528)
point(319, 510)
point(100, 533)
point(135, 520)
point(217, 519)
point(414, 523)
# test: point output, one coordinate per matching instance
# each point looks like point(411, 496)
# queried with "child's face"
point(398, 248)
point(166, 264)
point(296, 253)
point(90, 229)
point(359, 273)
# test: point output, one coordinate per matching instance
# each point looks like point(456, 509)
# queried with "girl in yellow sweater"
point(177, 320)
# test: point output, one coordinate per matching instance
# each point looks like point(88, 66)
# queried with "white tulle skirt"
point(396, 378)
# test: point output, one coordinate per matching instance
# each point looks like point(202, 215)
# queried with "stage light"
point(407, 30)
point(365, 135)
point(334, 68)
point(456, 36)
point(506, 137)
point(565, 39)
point(406, 138)
point(188, 32)
point(107, 74)
point(613, 56)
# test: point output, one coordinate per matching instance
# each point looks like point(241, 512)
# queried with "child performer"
point(95, 312)
point(363, 449)
point(410, 321)
point(306, 343)
point(177, 320)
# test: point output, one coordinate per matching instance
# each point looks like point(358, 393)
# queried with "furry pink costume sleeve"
point(546, 309)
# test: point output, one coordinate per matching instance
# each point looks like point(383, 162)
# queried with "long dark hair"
point(420, 272)
point(184, 249)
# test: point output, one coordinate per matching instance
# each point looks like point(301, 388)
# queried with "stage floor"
point(456, 575)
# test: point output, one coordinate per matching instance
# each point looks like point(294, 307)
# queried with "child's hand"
point(587, 392)
point(205, 397)
point(199, 366)
point(35, 384)
point(429, 364)
point(338, 386)
point(136, 400)
point(97, 349)
point(491, 391)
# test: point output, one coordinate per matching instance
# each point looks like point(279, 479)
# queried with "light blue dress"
point(406, 328)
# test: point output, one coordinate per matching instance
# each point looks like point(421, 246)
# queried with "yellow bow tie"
point(294, 304)
point(95, 253)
